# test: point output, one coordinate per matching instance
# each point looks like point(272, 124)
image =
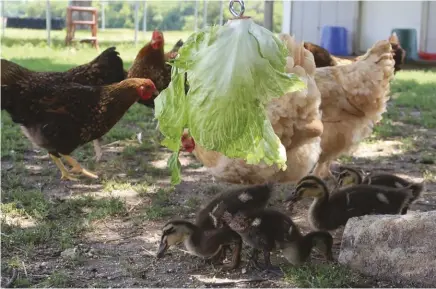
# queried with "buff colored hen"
point(296, 120)
point(354, 97)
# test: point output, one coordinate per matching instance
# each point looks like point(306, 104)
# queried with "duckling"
point(350, 176)
point(199, 242)
point(330, 212)
point(269, 230)
point(246, 198)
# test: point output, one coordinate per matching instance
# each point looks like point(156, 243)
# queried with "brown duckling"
point(330, 212)
point(199, 242)
point(268, 230)
point(246, 198)
point(349, 176)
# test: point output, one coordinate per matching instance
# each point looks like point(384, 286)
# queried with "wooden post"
point(136, 22)
point(3, 17)
point(103, 16)
point(268, 15)
point(48, 22)
point(196, 16)
point(144, 20)
point(205, 13)
point(221, 12)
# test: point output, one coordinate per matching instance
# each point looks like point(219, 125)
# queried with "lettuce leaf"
point(233, 72)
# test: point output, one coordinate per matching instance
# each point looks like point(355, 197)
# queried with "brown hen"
point(63, 116)
point(150, 62)
point(107, 68)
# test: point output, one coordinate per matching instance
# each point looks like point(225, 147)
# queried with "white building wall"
point(431, 28)
point(308, 18)
point(305, 19)
point(380, 17)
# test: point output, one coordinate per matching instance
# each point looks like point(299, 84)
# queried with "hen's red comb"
point(156, 34)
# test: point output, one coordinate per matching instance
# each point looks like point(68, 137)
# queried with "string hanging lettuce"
point(233, 72)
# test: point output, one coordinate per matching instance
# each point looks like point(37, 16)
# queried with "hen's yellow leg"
point(65, 174)
point(77, 168)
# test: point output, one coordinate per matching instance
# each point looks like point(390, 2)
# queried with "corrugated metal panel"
point(431, 28)
point(286, 22)
point(380, 17)
point(308, 18)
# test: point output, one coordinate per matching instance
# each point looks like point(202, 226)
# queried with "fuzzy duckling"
point(246, 199)
point(199, 242)
point(349, 176)
point(330, 212)
point(269, 230)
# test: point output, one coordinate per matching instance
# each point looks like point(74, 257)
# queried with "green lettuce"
point(233, 72)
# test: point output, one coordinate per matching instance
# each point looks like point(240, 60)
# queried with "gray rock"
point(399, 248)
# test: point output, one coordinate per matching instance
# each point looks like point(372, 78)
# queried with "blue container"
point(335, 40)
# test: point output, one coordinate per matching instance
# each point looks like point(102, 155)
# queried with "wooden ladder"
point(71, 25)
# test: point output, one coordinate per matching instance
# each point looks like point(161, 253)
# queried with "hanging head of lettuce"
point(233, 71)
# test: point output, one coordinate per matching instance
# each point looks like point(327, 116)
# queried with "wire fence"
point(139, 16)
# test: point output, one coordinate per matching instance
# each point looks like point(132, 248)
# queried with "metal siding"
point(308, 18)
point(431, 29)
point(380, 17)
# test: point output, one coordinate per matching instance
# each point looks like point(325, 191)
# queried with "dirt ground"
point(120, 251)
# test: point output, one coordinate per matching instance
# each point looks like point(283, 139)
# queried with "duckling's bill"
point(163, 247)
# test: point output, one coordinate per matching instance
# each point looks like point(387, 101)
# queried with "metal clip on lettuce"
point(241, 10)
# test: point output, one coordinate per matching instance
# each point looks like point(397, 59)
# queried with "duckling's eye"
point(168, 231)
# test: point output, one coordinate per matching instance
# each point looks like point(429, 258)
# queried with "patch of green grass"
point(346, 159)
point(114, 185)
point(161, 205)
point(408, 144)
point(59, 279)
point(414, 91)
point(428, 158)
point(320, 276)
point(386, 129)
point(193, 203)
point(429, 176)
point(57, 223)
point(22, 283)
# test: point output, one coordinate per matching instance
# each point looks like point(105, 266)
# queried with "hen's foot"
point(67, 177)
point(65, 174)
point(77, 168)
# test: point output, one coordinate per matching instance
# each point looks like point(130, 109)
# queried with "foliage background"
point(162, 15)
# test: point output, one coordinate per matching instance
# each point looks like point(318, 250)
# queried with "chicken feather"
point(354, 98)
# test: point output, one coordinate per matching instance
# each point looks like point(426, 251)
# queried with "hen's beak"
point(156, 93)
point(163, 247)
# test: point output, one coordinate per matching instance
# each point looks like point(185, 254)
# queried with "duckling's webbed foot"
point(218, 258)
point(253, 260)
point(269, 267)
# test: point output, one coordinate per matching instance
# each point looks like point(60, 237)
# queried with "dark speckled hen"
point(107, 68)
point(63, 116)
